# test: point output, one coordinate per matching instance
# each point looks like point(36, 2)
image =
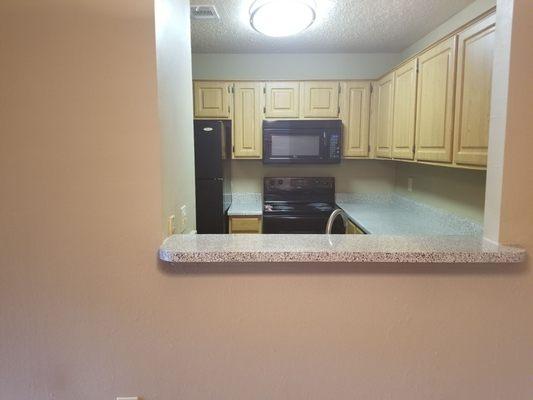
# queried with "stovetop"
point(297, 208)
point(299, 196)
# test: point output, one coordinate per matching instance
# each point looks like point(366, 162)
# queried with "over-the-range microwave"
point(302, 142)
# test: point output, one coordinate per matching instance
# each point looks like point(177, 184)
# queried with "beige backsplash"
point(456, 190)
point(357, 176)
point(460, 191)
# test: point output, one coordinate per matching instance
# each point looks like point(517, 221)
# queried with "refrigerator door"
point(210, 213)
point(209, 149)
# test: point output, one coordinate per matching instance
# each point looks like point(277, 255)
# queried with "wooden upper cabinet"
point(355, 115)
point(212, 99)
point(248, 120)
point(403, 125)
point(320, 99)
point(472, 99)
point(435, 100)
point(384, 92)
point(282, 99)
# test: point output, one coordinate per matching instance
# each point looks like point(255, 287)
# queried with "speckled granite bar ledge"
point(335, 248)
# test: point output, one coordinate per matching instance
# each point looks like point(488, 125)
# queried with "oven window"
point(295, 145)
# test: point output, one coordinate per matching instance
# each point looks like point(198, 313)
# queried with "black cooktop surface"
point(297, 208)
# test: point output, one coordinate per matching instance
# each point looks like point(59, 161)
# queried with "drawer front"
point(245, 225)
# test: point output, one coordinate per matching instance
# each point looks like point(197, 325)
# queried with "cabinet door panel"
point(320, 99)
point(384, 91)
point(247, 120)
point(355, 115)
point(212, 99)
point(403, 127)
point(473, 90)
point(282, 100)
point(434, 119)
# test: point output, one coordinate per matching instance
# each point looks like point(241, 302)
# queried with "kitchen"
point(399, 146)
point(102, 298)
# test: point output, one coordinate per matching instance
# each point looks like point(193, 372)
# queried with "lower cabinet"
point(245, 224)
point(352, 229)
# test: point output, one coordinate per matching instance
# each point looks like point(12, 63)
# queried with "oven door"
point(310, 224)
point(291, 146)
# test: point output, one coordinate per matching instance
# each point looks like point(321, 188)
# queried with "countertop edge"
point(507, 255)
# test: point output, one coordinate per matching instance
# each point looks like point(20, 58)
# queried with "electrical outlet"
point(128, 398)
point(409, 184)
point(171, 225)
point(183, 214)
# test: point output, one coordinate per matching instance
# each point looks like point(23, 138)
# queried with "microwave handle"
point(324, 145)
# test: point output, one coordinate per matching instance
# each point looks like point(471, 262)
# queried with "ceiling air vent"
point(204, 12)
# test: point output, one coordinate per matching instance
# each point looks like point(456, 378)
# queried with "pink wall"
point(87, 312)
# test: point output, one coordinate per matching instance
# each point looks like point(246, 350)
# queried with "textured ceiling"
point(342, 26)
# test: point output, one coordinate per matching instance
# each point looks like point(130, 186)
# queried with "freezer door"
point(210, 215)
point(209, 149)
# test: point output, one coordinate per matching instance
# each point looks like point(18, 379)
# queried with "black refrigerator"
point(212, 157)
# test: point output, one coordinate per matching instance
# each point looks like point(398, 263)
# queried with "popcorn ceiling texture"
point(343, 26)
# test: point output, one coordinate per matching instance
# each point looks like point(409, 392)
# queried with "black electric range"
point(299, 205)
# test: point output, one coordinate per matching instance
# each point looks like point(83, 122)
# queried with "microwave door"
point(295, 146)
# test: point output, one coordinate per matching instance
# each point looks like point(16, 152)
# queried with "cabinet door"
point(355, 115)
point(434, 112)
point(282, 100)
point(320, 99)
point(472, 99)
point(248, 120)
point(212, 99)
point(384, 91)
point(403, 125)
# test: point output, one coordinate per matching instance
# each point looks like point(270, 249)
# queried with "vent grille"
point(204, 12)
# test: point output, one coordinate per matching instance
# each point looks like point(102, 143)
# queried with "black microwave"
point(302, 142)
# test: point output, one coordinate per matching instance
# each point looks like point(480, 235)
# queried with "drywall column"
point(498, 119)
point(175, 110)
point(516, 219)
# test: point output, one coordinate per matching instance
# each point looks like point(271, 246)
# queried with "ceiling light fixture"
point(279, 18)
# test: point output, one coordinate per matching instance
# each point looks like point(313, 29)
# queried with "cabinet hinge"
point(264, 90)
point(229, 110)
point(371, 88)
point(339, 110)
point(232, 88)
point(414, 149)
point(339, 88)
point(229, 89)
point(264, 110)
point(233, 148)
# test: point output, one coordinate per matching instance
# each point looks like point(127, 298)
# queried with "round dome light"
point(279, 18)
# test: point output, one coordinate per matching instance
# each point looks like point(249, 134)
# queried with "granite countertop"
point(391, 214)
point(335, 248)
point(246, 204)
